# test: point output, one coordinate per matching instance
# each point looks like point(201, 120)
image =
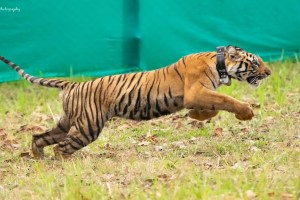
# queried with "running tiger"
point(190, 83)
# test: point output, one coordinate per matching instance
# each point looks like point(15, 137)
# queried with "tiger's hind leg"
point(74, 141)
point(55, 135)
point(202, 115)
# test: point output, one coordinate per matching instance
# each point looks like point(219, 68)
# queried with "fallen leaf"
point(193, 140)
point(218, 132)
point(8, 161)
point(245, 130)
point(158, 148)
point(271, 194)
point(179, 144)
point(107, 154)
point(291, 94)
point(270, 118)
point(25, 154)
point(176, 117)
point(250, 142)
point(195, 123)
point(3, 134)
point(250, 194)
point(208, 165)
point(134, 142)
point(286, 196)
point(152, 138)
point(148, 183)
point(144, 143)
point(263, 128)
point(199, 153)
point(147, 154)
point(107, 147)
point(14, 117)
point(123, 127)
point(254, 149)
point(166, 177)
point(148, 138)
point(10, 144)
point(1, 175)
point(178, 125)
point(162, 176)
point(108, 177)
point(240, 165)
point(32, 128)
point(39, 116)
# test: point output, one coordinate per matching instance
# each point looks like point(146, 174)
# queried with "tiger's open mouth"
point(255, 80)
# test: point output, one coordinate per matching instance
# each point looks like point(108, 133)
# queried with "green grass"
point(254, 159)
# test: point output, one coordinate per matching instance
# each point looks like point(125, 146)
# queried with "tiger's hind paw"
point(37, 152)
point(59, 155)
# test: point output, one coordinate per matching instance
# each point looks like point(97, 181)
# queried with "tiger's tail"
point(54, 83)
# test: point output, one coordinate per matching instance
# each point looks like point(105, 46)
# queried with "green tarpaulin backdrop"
point(96, 38)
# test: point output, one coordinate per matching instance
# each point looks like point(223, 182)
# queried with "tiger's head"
point(245, 66)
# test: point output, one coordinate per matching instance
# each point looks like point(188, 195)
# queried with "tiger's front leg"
point(201, 98)
point(202, 115)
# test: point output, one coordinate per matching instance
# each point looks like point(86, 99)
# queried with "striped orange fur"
point(190, 83)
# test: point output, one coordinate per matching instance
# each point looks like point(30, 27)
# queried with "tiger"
point(190, 83)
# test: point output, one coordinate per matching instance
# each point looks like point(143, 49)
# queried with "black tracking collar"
point(221, 68)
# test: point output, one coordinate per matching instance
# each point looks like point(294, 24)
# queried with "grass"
point(167, 158)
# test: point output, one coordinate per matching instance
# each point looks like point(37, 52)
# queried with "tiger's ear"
point(234, 53)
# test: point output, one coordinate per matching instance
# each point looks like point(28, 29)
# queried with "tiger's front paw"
point(245, 112)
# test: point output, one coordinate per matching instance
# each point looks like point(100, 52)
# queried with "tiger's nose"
point(268, 72)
